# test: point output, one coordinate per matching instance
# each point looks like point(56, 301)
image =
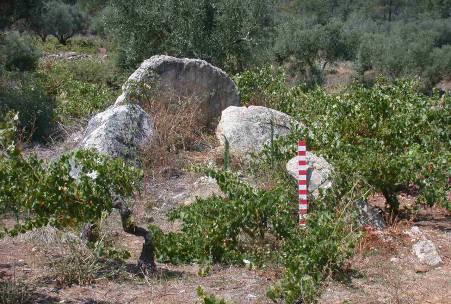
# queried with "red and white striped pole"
point(302, 181)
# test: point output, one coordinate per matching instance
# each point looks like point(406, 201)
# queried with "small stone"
point(318, 174)
point(371, 216)
point(426, 253)
point(419, 268)
point(414, 231)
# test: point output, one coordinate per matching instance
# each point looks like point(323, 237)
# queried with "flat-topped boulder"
point(174, 80)
point(249, 129)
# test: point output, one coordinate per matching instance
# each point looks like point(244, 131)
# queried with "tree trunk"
point(146, 261)
point(392, 202)
point(390, 3)
point(61, 39)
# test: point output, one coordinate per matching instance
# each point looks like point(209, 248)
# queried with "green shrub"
point(17, 52)
point(75, 189)
point(82, 88)
point(251, 225)
point(208, 298)
point(267, 86)
point(25, 95)
point(390, 134)
point(310, 255)
point(219, 229)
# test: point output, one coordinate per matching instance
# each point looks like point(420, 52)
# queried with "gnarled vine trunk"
point(146, 261)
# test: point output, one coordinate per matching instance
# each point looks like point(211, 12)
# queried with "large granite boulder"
point(169, 79)
point(119, 131)
point(319, 173)
point(248, 129)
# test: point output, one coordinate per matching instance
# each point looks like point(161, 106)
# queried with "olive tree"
point(227, 33)
point(59, 19)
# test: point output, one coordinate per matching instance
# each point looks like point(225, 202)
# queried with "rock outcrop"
point(119, 131)
point(248, 129)
point(170, 79)
point(319, 172)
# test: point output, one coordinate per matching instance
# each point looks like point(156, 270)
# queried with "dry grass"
point(178, 128)
point(73, 263)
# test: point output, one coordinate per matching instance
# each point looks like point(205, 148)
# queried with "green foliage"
point(225, 33)
point(22, 93)
point(222, 230)
point(311, 255)
point(390, 134)
point(260, 84)
point(267, 86)
point(393, 38)
point(75, 189)
point(208, 298)
point(99, 21)
point(60, 19)
point(309, 46)
point(78, 43)
point(82, 87)
point(414, 48)
point(17, 52)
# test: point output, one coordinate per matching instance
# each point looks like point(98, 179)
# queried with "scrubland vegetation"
point(387, 132)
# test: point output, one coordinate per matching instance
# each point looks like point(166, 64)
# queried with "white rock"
point(119, 131)
point(414, 232)
point(426, 253)
point(248, 129)
point(319, 172)
point(167, 78)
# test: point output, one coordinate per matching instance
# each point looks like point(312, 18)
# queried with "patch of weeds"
point(16, 292)
point(208, 298)
point(178, 127)
point(74, 264)
point(82, 87)
point(78, 44)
